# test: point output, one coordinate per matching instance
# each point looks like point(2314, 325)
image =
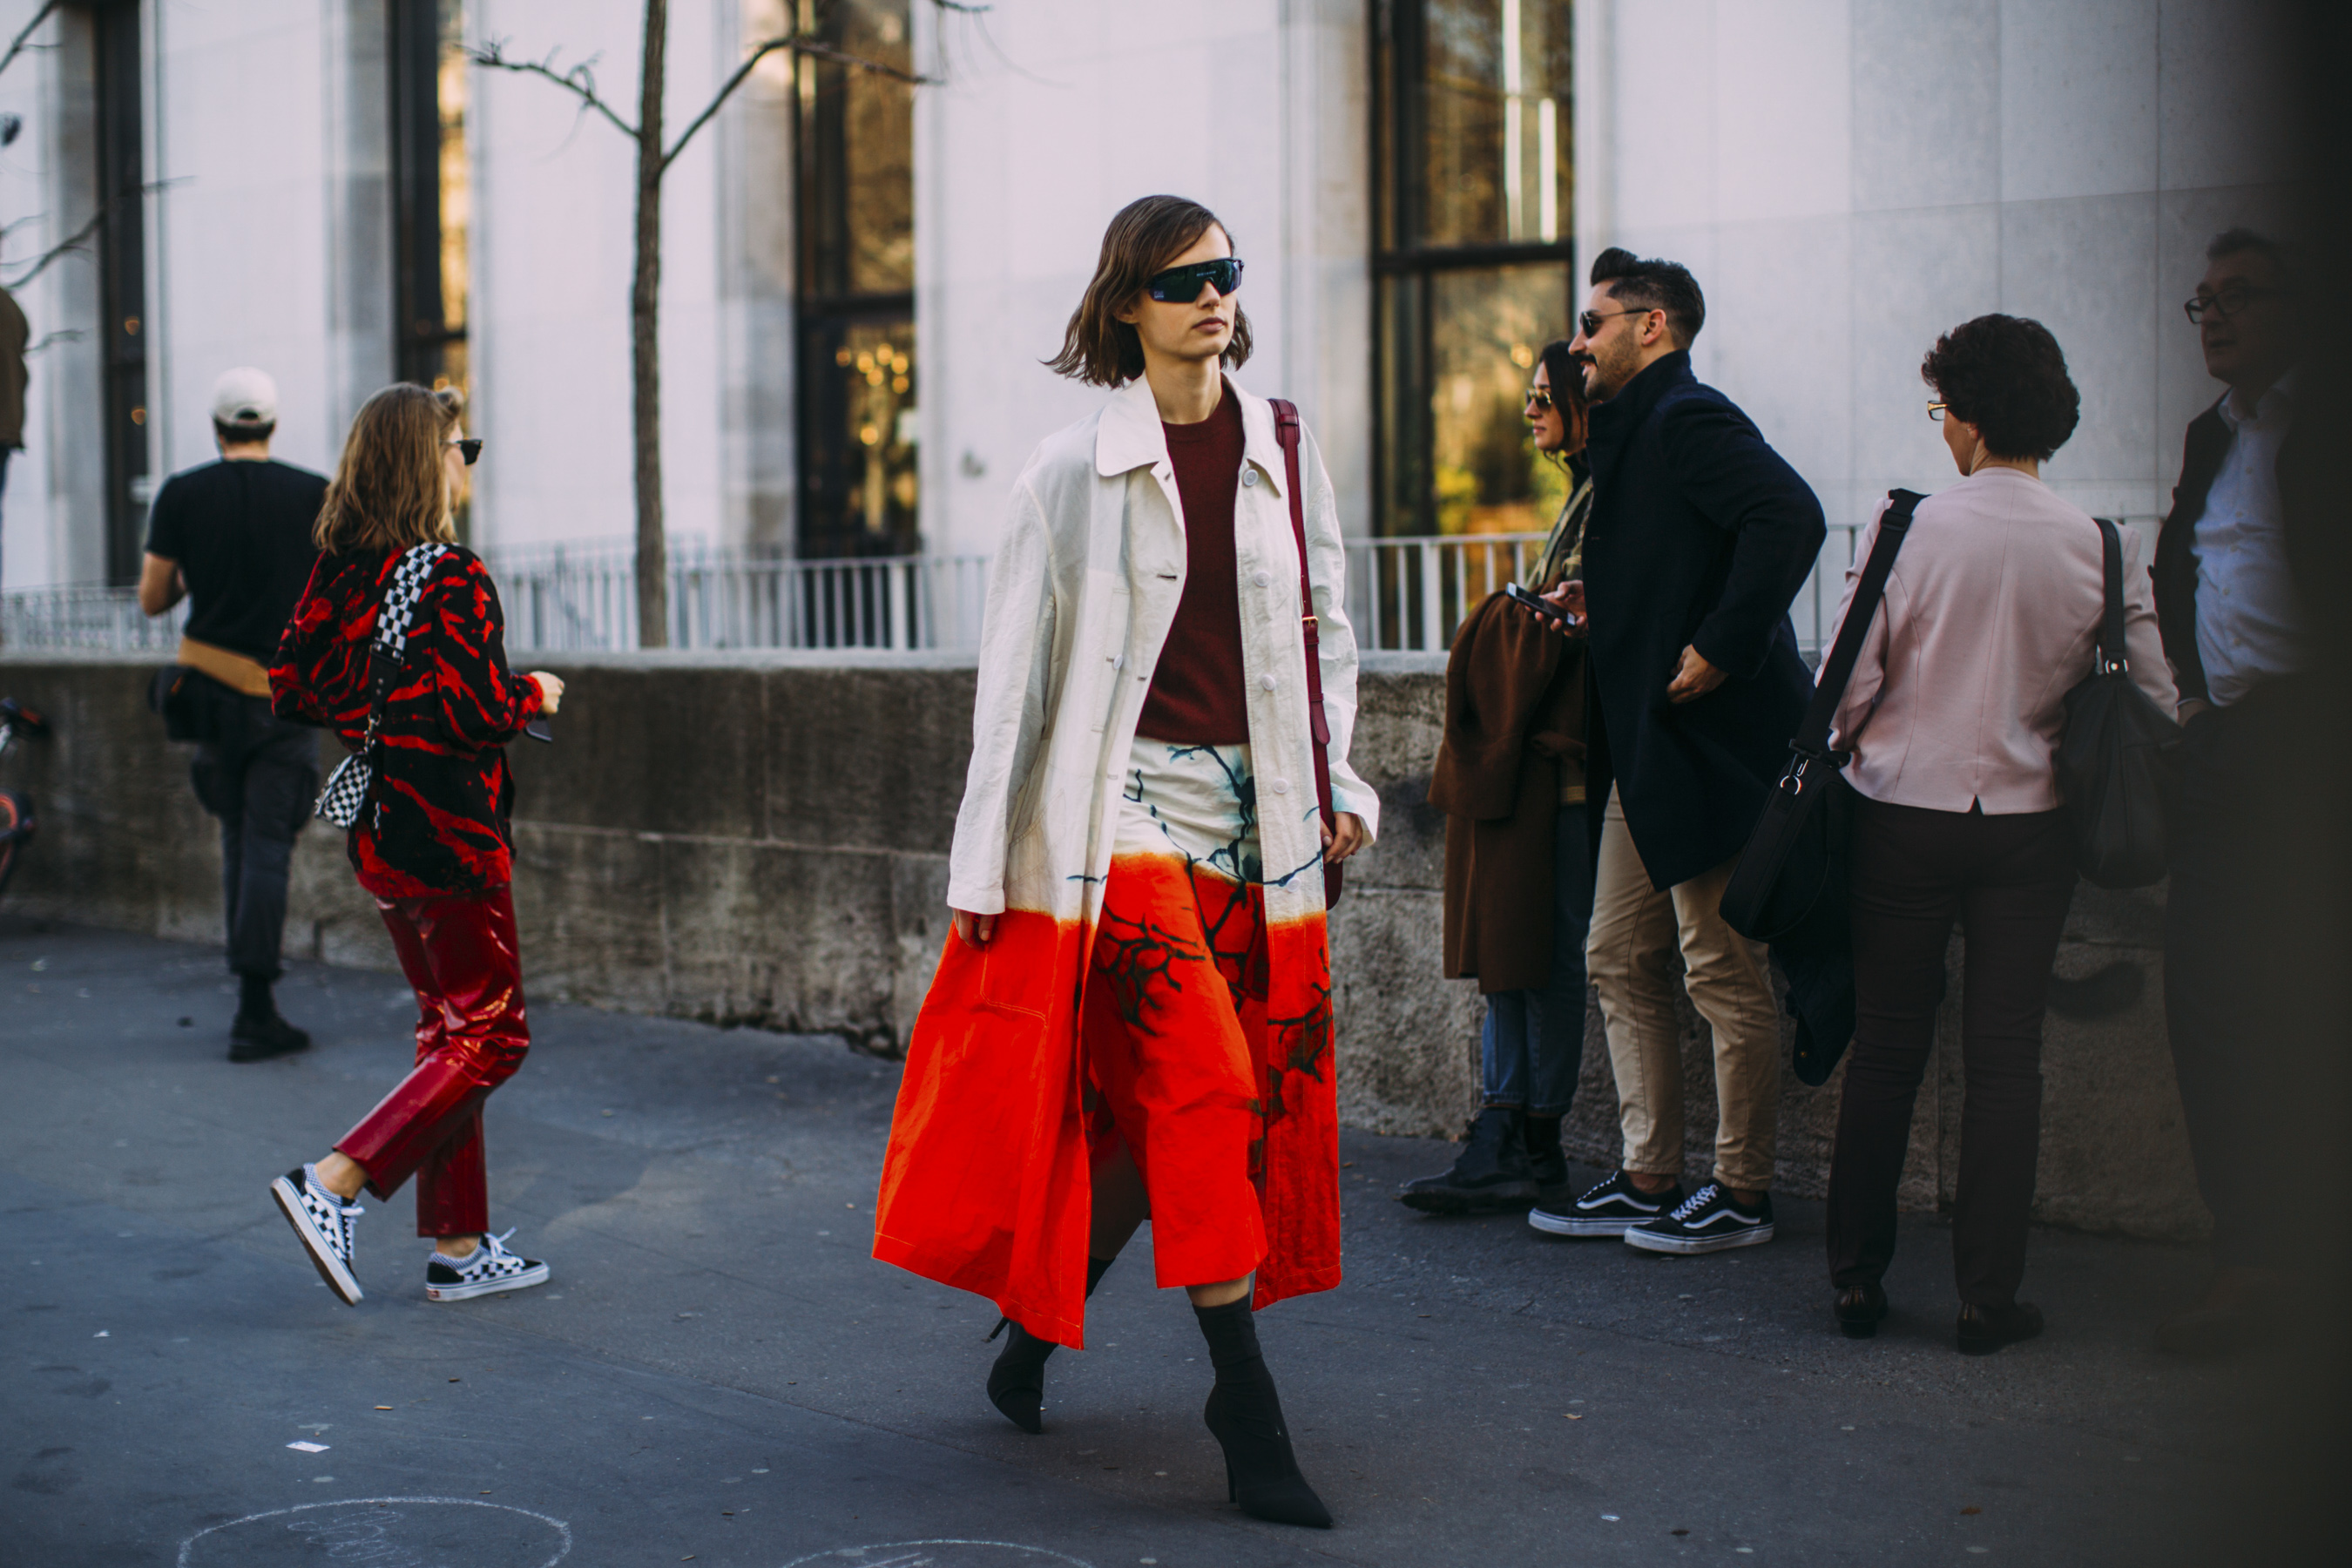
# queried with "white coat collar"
point(1131, 435)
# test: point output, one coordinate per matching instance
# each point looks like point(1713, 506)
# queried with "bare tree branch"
point(726, 91)
point(580, 81)
point(63, 335)
point(73, 241)
point(18, 45)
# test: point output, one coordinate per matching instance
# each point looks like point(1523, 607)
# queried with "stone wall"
point(761, 840)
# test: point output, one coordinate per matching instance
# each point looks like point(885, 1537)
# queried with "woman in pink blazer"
point(1954, 715)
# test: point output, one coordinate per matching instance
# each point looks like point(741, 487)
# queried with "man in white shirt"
point(2242, 926)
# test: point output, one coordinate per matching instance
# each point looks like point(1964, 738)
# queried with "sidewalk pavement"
point(719, 1373)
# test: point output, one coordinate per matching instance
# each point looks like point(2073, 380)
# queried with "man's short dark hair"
point(2240, 240)
point(2007, 376)
point(1650, 284)
point(239, 435)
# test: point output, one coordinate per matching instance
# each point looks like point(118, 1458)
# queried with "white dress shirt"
point(2249, 622)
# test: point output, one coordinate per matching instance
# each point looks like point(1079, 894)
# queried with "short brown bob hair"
point(1144, 239)
point(388, 492)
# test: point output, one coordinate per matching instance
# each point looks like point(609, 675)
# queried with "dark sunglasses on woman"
point(1540, 397)
point(1181, 285)
point(472, 446)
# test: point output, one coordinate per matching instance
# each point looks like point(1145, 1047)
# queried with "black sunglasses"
point(1181, 285)
point(1540, 396)
point(1590, 320)
point(2226, 304)
point(472, 446)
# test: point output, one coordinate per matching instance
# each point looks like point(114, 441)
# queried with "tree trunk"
point(645, 340)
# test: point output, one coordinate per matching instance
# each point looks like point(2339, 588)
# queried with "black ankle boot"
point(1245, 1416)
point(1491, 1176)
point(1017, 1383)
point(1546, 1164)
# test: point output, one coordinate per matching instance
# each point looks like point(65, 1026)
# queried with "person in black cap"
point(233, 538)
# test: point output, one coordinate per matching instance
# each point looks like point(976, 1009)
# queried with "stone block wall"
point(761, 840)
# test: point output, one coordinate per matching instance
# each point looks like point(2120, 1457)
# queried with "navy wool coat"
point(1701, 535)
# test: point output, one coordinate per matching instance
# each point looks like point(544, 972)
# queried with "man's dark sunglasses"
point(472, 447)
point(2225, 304)
point(1181, 285)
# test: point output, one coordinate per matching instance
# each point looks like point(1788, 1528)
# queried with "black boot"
point(1491, 1177)
point(1547, 1165)
point(1017, 1383)
point(1245, 1416)
point(258, 1032)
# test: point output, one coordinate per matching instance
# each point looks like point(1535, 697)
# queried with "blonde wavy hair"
point(388, 492)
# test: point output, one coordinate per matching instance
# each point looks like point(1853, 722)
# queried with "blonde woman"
point(1133, 1012)
point(431, 841)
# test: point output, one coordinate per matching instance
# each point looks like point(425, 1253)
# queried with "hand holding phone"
point(1556, 615)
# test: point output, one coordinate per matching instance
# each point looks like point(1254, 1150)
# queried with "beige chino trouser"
point(1636, 930)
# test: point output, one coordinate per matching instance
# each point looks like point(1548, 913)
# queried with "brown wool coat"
point(1514, 737)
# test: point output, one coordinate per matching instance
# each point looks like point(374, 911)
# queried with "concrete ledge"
point(760, 838)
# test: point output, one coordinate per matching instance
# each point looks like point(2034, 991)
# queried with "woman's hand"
point(551, 691)
point(972, 929)
point(1345, 841)
point(1568, 596)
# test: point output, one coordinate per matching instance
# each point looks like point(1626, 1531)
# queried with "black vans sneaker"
point(1709, 1220)
point(325, 1225)
point(491, 1268)
point(1612, 1208)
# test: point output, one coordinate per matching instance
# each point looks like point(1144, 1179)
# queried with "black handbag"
point(1789, 886)
point(2110, 759)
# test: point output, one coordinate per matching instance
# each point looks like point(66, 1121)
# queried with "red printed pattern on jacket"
point(436, 821)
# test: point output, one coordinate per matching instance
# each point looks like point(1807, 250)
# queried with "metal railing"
point(1402, 593)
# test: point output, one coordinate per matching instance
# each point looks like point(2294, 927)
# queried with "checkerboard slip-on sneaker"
point(487, 1270)
point(1612, 1208)
point(325, 1225)
point(1709, 1220)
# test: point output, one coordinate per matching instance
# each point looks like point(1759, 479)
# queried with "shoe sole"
point(1680, 1247)
point(1553, 1224)
point(323, 1256)
point(522, 1281)
point(1465, 1203)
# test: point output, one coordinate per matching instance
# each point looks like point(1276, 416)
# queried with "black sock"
point(254, 1000)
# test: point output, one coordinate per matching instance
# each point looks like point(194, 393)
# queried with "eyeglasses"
point(472, 446)
point(1181, 285)
point(2226, 304)
point(1540, 396)
point(1590, 320)
point(1936, 411)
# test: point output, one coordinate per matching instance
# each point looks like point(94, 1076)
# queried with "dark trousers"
point(1533, 1044)
point(2248, 954)
point(2008, 881)
point(259, 776)
point(460, 953)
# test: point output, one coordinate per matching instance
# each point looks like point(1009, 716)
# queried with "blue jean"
point(1533, 1044)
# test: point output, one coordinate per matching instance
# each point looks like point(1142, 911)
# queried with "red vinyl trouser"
point(460, 953)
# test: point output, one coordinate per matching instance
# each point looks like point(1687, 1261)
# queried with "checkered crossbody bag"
point(346, 793)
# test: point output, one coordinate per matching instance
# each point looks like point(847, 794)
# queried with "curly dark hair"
point(2007, 376)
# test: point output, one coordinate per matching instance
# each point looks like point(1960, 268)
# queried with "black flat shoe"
point(260, 1039)
point(1984, 1330)
point(1860, 1308)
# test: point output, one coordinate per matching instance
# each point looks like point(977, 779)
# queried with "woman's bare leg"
point(343, 1177)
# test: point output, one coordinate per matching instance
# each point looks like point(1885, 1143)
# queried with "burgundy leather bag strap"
point(1285, 432)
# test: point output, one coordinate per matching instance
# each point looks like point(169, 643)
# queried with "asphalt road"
point(719, 1373)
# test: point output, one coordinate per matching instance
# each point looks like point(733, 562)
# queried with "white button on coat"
point(1266, 681)
point(1263, 579)
point(1282, 786)
point(1249, 476)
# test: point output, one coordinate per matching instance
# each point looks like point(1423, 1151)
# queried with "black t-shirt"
point(241, 533)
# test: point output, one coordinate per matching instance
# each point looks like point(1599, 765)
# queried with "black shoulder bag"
point(1788, 887)
point(2110, 760)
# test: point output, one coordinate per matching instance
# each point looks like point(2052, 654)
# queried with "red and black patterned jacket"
point(437, 823)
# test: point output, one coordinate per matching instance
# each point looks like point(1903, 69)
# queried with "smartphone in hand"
point(1540, 606)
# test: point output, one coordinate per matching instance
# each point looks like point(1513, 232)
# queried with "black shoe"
point(1017, 1383)
point(1244, 1415)
point(1860, 1308)
point(1709, 1220)
point(1984, 1330)
point(1491, 1177)
point(1546, 1164)
point(257, 1038)
point(1612, 1208)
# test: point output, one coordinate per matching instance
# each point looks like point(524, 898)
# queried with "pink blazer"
point(1991, 614)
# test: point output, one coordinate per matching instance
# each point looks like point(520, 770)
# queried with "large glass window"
point(1471, 254)
point(430, 190)
point(857, 311)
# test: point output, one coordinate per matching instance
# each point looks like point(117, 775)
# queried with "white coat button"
point(1249, 476)
point(1266, 681)
point(1264, 579)
point(1282, 786)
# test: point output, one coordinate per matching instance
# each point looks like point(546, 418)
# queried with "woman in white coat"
point(1132, 1015)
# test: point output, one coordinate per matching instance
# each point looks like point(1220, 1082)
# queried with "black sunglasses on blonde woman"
point(472, 446)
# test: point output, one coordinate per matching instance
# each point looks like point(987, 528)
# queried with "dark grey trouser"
point(259, 775)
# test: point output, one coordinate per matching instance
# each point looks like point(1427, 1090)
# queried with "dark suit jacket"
point(1701, 535)
point(2175, 570)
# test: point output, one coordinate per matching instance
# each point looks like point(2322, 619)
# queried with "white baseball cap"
point(244, 396)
